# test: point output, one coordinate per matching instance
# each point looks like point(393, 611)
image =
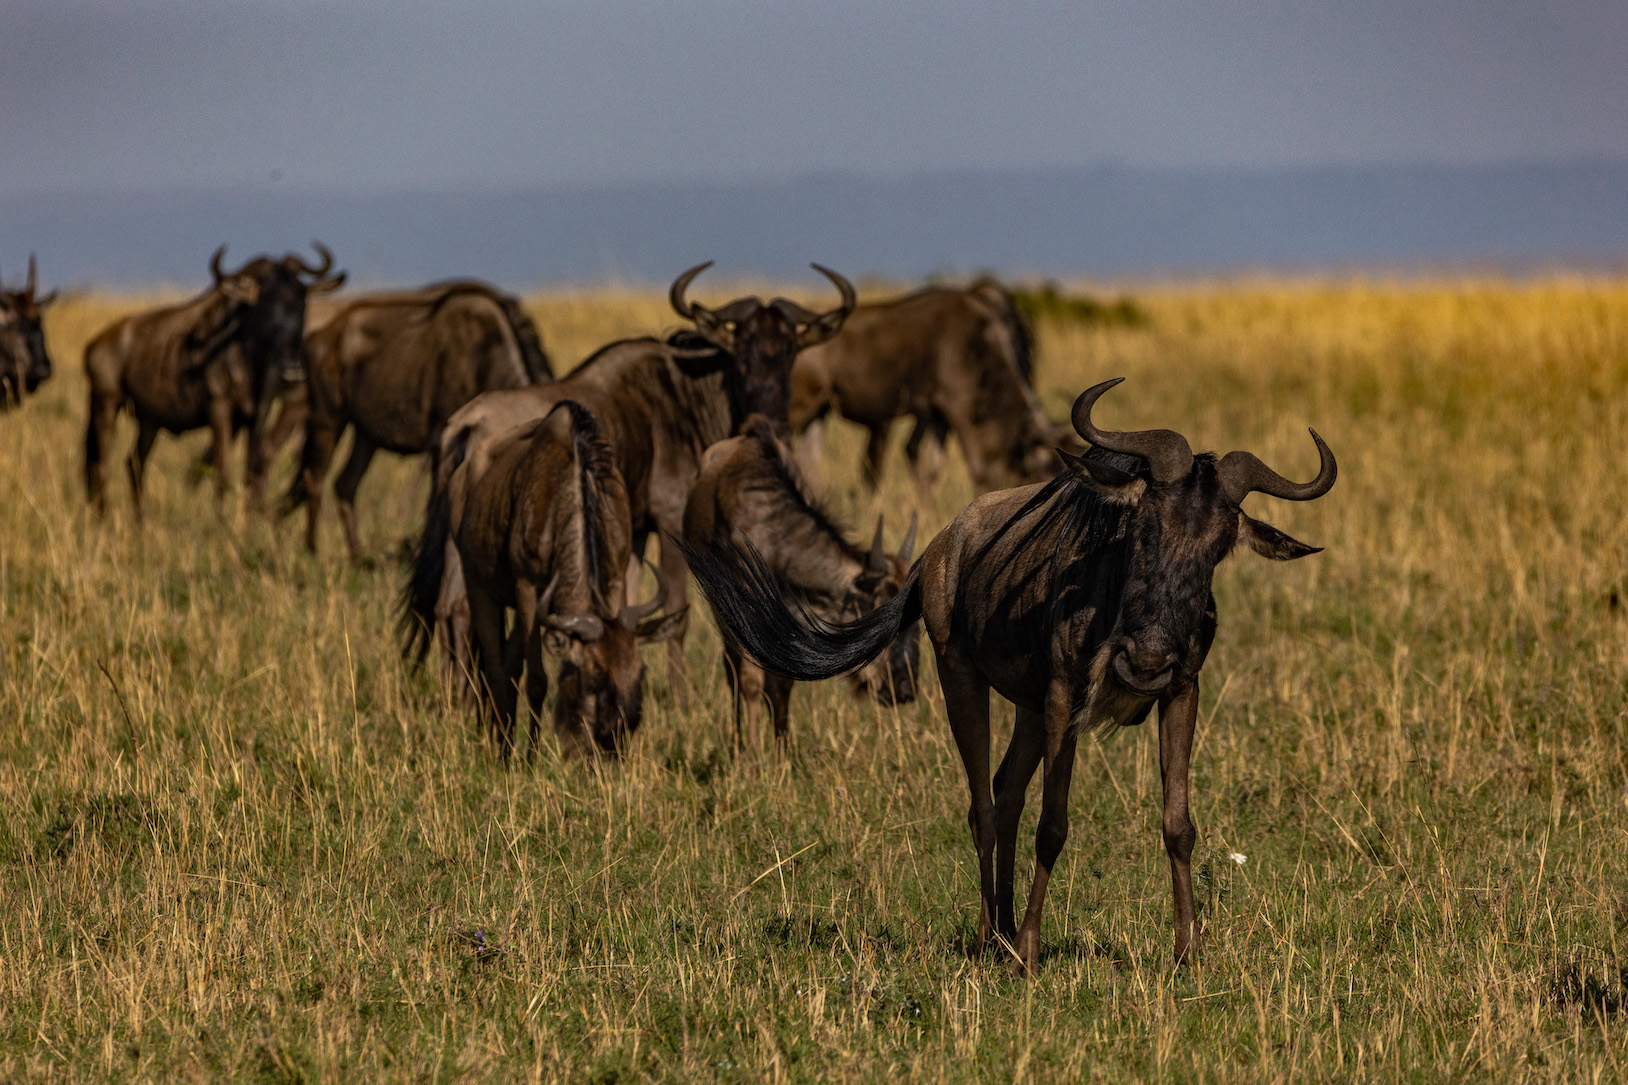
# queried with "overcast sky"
point(369, 96)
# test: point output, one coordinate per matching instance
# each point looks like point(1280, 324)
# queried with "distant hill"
point(1105, 221)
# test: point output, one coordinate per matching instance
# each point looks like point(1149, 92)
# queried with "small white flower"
point(1238, 857)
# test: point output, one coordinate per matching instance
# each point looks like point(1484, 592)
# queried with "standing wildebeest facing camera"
point(393, 367)
point(750, 491)
point(660, 404)
point(214, 361)
point(1083, 601)
point(544, 530)
point(958, 361)
point(24, 363)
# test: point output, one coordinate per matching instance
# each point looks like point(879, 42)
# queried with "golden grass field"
point(238, 839)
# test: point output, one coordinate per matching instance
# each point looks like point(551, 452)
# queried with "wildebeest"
point(660, 404)
point(544, 530)
point(24, 362)
point(1083, 601)
point(750, 491)
point(214, 361)
point(392, 368)
point(957, 361)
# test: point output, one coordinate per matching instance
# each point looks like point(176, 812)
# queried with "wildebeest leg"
point(99, 433)
point(676, 573)
point(138, 463)
point(536, 690)
point(525, 645)
point(263, 451)
point(320, 438)
point(875, 452)
point(452, 622)
point(777, 691)
point(745, 688)
point(1176, 721)
point(966, 702)
point(1052, 832)
point(486, 616)
point(220, 425)
point(1011, 790)
point(361, 454)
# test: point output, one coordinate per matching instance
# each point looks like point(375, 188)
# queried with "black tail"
point(416, 625)
point(532, 354)
point(746, 598)
point(531, 343)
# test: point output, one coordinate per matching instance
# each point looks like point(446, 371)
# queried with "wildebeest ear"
point(663, 626)
point(714, 329)
point(820, 329)
point(1120, 487)
point(1269, 542)
point(559, 644)
point(328, 285)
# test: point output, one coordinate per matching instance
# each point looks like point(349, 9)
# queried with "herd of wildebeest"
point(1082, 594)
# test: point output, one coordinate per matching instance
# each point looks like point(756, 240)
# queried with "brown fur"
point(392, 368)
point(545, 531)
point(212, 361)
point(24, 361)
point(750, 491)
point(1083, 601)
point(949, 358)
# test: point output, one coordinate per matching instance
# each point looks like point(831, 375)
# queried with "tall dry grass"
point(238, 839)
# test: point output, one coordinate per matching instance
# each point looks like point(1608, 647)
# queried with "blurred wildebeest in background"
point(214, 361)
point(393, 367)
point(545, 531)
point(1083, 601)
point(660, 405)
point(956, 360)
point(24, 363)
point(751, 491)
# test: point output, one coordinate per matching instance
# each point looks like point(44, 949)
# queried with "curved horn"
point(844, 287)
point(876, 562)
point(315, 272)
point(214, 264)
point(675, 294)
point(631, 613)
point(1167, 452)
point(28, 287)
point(1243, 472)
point(908, 547)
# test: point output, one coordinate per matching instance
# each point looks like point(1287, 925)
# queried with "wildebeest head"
point(1186, 516)
point(24, 363)
point(891, 676)
point(764, 337)
point(601, 682)
point(265, 316)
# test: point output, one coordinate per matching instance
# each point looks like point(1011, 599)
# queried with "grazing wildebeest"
point(955, 360)
point(24, 363)
point(393, 368)
point(661, 404)
point(750, 491)
point(545, 531)
point(1083, 601)
point(214, 361)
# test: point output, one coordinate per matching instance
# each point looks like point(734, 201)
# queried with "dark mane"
point(791, 498)
point(596, 479)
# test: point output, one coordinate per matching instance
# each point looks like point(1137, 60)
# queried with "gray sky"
point(369, 96)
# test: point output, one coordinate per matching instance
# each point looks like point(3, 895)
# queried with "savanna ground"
point(239, 839)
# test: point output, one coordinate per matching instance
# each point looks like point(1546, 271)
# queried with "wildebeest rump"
point(750, 491)
point(24, 362)
point(1083, 601)
point(660, 404)
point(955, 360)
point(393, 368)
point(545, 530)
point(213, 361)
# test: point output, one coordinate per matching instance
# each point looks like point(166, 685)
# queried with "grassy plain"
point(238, 840)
